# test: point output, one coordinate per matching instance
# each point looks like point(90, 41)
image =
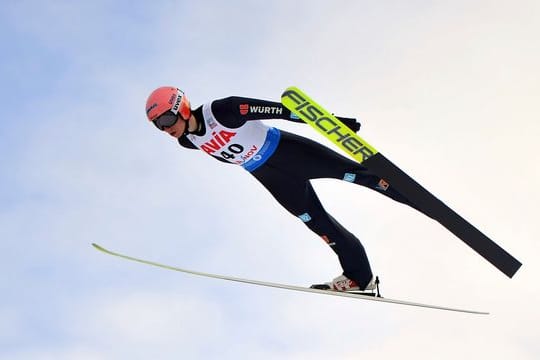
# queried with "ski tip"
point(293, 89)
point(98, 247)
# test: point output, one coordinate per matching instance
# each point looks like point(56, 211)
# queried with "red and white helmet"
point(167, 98)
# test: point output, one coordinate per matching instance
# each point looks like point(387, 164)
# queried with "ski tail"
point(439, 211)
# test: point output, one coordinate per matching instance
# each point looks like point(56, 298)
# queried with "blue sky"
point(448, 91)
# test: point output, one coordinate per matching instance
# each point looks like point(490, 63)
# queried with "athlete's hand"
point(351, 123)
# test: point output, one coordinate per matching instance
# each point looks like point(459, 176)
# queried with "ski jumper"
point(284, 163)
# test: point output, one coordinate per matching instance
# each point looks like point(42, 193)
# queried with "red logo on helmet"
point(244, 109)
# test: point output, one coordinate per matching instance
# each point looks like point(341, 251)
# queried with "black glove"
point(351, 123)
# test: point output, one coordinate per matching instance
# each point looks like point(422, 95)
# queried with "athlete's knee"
point(321, 223)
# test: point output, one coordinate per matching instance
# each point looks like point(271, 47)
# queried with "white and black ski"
point(288, 287)
point(329, 126)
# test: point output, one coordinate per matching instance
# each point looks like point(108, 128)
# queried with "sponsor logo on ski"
point(335, 131)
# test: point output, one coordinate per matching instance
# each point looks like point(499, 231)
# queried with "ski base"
point(288, 287)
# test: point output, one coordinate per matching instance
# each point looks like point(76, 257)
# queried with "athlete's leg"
point(299, 198)
point(315, 161)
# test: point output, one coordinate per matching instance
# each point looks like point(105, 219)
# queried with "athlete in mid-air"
point(230, 130)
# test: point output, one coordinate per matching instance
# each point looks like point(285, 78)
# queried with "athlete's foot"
point(341, 283)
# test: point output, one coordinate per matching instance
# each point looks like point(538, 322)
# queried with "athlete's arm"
point(234, 111)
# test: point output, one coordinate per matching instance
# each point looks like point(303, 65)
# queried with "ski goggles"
point(166, 120)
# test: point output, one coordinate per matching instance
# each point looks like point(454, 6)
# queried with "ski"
point(286, 287)
point(329, 126)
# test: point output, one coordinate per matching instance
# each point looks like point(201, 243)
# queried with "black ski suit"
point(285, 168)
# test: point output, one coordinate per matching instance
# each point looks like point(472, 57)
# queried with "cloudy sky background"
point(448, 90)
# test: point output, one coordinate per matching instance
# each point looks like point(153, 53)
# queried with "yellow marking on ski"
point(327, 124)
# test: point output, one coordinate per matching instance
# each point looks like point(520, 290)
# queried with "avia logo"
point(244, 109)
point(218, 141)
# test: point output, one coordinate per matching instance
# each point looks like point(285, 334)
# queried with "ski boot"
point(343, 283)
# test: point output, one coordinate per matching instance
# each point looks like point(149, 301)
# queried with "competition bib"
point(248, 146)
